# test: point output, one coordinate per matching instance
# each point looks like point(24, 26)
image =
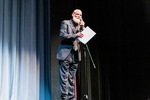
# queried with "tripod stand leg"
point(90, 55)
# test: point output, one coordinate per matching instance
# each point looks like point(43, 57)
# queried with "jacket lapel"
point(72, 27)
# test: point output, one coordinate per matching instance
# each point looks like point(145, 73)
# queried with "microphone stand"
point(81, 29)
point(86, 94)
point(85, 97)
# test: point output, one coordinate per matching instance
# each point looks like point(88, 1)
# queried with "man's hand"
point(82, 23)
point(79, 34)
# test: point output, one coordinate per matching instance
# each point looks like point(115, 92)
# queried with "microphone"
point(81, 19)
point(81, 24)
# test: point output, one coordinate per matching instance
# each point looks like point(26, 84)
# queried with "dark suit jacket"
point(67, 35)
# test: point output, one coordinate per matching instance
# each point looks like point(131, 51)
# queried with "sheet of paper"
point(88, 34)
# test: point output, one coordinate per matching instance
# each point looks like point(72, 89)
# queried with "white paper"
point(88, 33)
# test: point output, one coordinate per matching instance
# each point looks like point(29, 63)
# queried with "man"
point(68, 53)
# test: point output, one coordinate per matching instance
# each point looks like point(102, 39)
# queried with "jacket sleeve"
point(66, 33)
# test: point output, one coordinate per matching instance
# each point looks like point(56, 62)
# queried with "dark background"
point(120, 48)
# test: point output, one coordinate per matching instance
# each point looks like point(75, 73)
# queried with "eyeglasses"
point(77, 13)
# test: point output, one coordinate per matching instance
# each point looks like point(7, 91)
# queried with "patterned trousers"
point(67, 72)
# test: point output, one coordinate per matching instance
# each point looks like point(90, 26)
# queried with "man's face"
point(77, 15)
